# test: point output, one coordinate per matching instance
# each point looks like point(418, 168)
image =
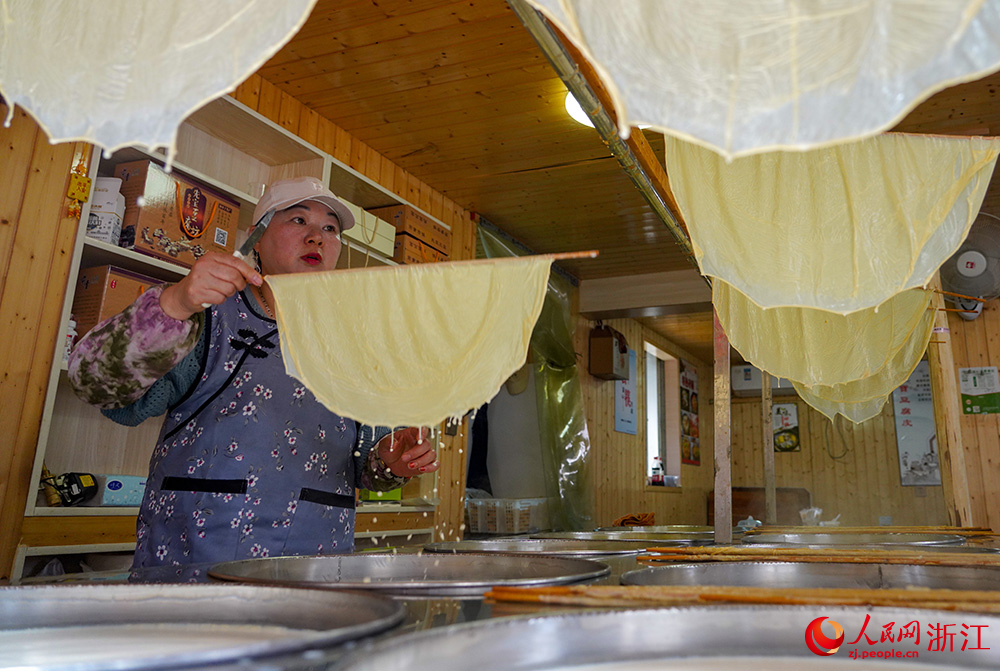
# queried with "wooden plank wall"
point(975, 344)
point(618, 460)
point(861, 485)
point(850, 470)
point(36, 246)
point(285, 110)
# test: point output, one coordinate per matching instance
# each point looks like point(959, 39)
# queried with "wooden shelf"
point(87, 511)
point(98, 253)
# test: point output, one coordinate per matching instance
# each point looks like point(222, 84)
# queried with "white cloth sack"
point(122, 72)
point(744, 77)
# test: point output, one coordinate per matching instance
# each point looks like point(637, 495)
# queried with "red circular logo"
point(818, 642)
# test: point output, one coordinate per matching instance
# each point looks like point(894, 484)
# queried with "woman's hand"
point(213, 278)
point(408, 452)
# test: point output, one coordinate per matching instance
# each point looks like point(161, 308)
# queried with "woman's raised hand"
point(213, 278)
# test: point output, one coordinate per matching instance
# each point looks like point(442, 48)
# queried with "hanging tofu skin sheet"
point(748, 77)
point(123, 72)
point(862, 399)
point(839, 229)
point(817, 346)
point(409, 345)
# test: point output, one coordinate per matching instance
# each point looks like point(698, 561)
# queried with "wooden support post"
point(947, 418)
point(770, 497)
point(723, 443)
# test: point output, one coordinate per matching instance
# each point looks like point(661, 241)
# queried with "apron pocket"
point(208, 485)
point(326, 498)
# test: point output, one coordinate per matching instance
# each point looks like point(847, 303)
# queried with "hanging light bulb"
point(574, 110)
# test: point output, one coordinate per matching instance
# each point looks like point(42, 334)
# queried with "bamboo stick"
point(633, 596)
point(817, 555)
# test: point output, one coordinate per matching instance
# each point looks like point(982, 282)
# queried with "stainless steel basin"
point(811, 575)
point(548, 547)
point(412, 574)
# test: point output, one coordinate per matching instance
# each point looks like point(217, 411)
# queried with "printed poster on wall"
point(980, 389)
point(785, 422)
point(916, 441)
point(690, 447)
point(625, 421)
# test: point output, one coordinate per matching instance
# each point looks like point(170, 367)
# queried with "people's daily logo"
point(819, 642)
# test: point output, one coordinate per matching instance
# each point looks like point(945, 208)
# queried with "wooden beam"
point(648, 295)
point(770, 496)
point(947, 418)
point(723, 438)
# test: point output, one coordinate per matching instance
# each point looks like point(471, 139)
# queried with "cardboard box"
point(371, 232)
point(177, 219)
point(107, 196)
point(104, 291)
point(104, 226)
point(608, 354)
point(119, 490)
point(407, 220)
point(410, 250)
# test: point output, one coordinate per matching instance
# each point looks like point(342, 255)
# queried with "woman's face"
point(302, 238)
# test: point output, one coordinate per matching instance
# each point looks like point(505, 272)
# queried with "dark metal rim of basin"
point(793, 575)
point(313, 618)
point(655, 636)
point(412, 573)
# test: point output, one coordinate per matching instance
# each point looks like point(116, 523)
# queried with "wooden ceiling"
point(459, 94)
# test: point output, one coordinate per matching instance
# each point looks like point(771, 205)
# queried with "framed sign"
point(785, 423)
point(625, 421)
point(980, 389)
point(916, 440)
point(690, 441)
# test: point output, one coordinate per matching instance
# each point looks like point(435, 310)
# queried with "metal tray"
point(809, 575)
point(748, 638)
point(412, 574)
point(853, 539)
point(548, 547)
point(98, 627)
point(650, 538)
point(665, 529)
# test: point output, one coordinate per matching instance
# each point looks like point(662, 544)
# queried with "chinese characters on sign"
point(690, 447)
point(625, 399)
point(785, 422)
point(906, 639)
point(980, 389)
point(916, 441)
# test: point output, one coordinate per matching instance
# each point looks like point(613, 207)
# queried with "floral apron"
point(248, 464)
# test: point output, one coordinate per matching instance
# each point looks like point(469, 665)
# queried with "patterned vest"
point(248, 464)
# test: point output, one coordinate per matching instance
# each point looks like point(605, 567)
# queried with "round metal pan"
point(650, 538)
point(687, 529)
point(762, 638)
point(129, 627)
point(810, 575)
point(853, 539)
point(412, 574)
point(547, 547)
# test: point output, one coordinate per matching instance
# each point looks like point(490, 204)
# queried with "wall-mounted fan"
point(974, 270)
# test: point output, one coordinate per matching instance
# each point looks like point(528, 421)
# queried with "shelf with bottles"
point(72, 563)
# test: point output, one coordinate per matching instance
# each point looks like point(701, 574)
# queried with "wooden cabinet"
point(236, 151)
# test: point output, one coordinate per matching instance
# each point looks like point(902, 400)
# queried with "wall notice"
point(785, 422)
point(625, 399)
point(690, 441)
point(980, 389)
point(916, 440)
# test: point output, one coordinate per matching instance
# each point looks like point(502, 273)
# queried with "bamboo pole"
point(723, 442)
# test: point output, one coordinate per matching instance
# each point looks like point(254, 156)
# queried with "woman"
point(248, 463)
